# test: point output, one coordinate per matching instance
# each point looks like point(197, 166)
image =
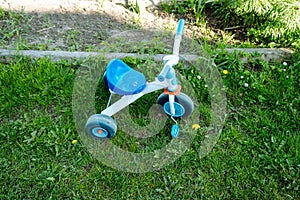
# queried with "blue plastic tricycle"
point(131, 85)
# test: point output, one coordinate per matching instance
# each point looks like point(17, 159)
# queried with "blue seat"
point(124, 80)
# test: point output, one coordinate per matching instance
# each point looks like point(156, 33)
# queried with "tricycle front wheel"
point(182, 99)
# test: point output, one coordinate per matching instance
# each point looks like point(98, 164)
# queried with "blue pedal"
point(175, 131)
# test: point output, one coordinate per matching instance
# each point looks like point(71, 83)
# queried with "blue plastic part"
point(161, 77)
point(170, 74)
point(101, 126)
point(99, 132)
point(179, 109)
point(180, 27)
point(124, 80)
point(174, 81)
point(175, 131)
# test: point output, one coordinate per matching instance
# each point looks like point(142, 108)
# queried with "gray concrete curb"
point(266, 54)
point(66, 55)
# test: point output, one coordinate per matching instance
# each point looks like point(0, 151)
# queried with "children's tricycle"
point(131, 85)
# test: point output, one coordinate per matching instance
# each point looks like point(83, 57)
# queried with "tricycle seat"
point(124, 80)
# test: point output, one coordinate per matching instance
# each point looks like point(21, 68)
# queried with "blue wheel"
point(101, 126)
point(184, 105)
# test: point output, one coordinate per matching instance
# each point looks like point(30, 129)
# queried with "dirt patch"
point(71, 31)
point(77, 25)
point(66, 25)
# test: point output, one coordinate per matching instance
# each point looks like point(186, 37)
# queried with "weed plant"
point(10, 23)
point(266, 23)
point(270, 22)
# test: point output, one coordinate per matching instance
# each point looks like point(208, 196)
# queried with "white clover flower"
point(287, 77)
point(284, 70)
point(198, 77)
point(246, 85)
point(205, 86)
point(242, 77)
point(284, 63)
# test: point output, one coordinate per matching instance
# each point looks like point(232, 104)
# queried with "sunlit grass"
point(257, 156)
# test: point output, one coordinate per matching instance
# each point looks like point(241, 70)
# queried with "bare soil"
point(76, 25)
point(83, 25)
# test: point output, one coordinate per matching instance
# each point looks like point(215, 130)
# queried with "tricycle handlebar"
point(180, 27)
point(178, 37)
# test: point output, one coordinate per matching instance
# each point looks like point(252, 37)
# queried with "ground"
point(78, 25)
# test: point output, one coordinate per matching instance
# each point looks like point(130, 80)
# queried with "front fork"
point(175, 128)
point(172, 100)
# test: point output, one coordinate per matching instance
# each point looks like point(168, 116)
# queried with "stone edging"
point(266, 54)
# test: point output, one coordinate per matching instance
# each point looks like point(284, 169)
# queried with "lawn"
point(256, 157)
point(45, 154)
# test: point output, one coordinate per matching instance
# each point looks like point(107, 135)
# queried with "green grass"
point(256, 157)
point(14, 26)
point(243, 23)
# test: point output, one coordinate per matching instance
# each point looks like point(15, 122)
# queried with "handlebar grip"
point(178, 37)
point(180, 27)
point(161, 77)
